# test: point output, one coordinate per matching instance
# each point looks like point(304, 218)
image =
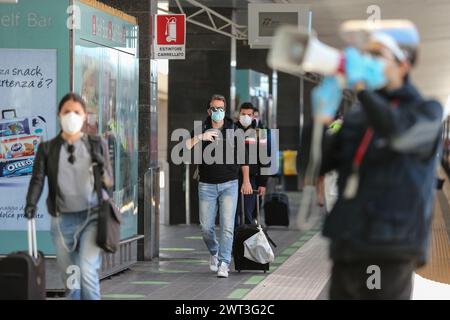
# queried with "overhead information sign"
point(265, 18)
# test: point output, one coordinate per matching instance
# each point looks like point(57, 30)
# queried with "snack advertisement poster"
point(27, 117)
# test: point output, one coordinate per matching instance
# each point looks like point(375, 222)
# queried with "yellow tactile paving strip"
point(438, 267)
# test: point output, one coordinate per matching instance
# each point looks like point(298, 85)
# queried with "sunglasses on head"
point(215, 109)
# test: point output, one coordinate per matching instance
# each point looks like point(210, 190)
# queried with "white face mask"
point(72, 123)
point(245, 120)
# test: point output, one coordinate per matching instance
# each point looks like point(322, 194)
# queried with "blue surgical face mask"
point(217, 115)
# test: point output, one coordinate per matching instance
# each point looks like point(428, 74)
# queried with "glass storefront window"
point(106, 79)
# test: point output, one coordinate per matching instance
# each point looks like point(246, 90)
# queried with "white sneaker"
point(213, 263)
point(223, 270)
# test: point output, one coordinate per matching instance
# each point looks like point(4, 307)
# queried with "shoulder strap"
point(93, 143)
point(95, 147)
point(362, 148)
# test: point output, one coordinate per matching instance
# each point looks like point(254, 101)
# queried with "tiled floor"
point(306, 274)
point(438, 267)
point(300, 271)
point(182, 272)
point(303, 277)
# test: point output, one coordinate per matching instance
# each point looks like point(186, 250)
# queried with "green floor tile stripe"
point(194, 238)
point(172, 271)
point(254, 280)
point(307, 236)
point(150, 282)
point(280, 259)
point(238, 294)
point(201, 252)
point(272, 268)
point(177, 249)
point(190, 261)
point(121, 296)
point(298, 244)
point(289, 251)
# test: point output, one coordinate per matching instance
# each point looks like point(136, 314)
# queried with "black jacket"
point(390, 216)
point(46, 165)
point(216, 173)
point(255, 168)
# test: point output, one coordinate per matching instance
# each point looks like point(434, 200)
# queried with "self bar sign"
point(170, 36)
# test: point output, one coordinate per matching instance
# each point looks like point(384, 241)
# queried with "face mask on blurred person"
point(245, 120)
point(218, 115)
point(72, 123)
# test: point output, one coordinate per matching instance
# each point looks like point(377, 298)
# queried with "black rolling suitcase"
point(22, 274)
point(242, 233)
point(276, 209)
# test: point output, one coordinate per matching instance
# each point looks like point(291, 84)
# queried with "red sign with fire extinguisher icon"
point(170, 36)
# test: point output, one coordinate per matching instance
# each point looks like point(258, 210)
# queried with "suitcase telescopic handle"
point(9, 110)
point(243, 209)
point(32, 240)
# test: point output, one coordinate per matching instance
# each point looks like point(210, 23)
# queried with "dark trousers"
point(249, 204)
point(352, 281)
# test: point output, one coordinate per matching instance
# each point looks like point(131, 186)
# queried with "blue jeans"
point(79, 258)
point(224, 196)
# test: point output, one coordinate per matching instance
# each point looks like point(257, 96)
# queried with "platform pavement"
point(182, 271)
point(301, 269)
point(306, 274)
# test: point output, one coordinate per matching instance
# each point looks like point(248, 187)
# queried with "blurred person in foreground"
point(66, 162)
point(385, 156)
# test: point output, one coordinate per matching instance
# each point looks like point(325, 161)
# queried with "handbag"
point(109, 220)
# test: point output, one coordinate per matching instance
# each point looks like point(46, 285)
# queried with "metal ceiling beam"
point(218, 25)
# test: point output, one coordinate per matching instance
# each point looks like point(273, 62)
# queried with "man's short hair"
point(218, 97)
point(247, 105)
